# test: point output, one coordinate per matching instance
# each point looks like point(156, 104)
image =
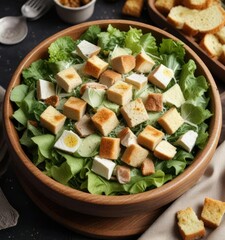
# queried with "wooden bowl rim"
point(203, 156)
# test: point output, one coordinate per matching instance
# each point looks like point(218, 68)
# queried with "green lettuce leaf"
point(148, 43)
point(169, 46)
point(61, 49)
point(91, 35)
point(112, 37)
point(191, 86)
point(202, 135)
point(67, 169)
point(132, 40)
point(18, 94)
point(176, 165)
point(45, 143)
point(194, 114)
point(37, 70)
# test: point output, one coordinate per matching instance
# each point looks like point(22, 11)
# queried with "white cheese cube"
point(144, 63)
point(68, 79)
point(134, 113)
point(187, 140)
point(165, 150)
point(68, 142)
point(86, 49)
point(127, 137)
point(45, 89)
point(161, 76)
point(174, 96)
point(103, 167)
point(52, 119)
point(120, 93)
point(137, 80)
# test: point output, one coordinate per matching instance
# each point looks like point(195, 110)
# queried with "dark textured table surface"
point(34, 224)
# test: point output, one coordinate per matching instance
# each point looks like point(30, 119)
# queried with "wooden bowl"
point(215, 66)
point(118, 215)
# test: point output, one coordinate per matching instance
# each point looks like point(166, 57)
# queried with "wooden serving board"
point(96, 227)
point(216, 67)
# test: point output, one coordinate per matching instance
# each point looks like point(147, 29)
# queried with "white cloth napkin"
point(8, 215)
point(211, 184)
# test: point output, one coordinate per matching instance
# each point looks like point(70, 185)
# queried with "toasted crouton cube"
point(86, 49)
point(52, 119)
point(123, 174)
point(134, 113)
point(74, 108)
point(164, 6)
point(120, 93)
point(134, 155)
point(190, 227)
point(150, 137)
point(68, 79)
point(109, 148)
point(85, 126)
point(165, 151)
point(154, 102)
point(105, 120)
point(147, 167)
point(144, 63)
point(95, 66)
point(161, 76)
point(109, 77)
point(127, 137)
point(123, 63)
point(137, 80)
point(212, 212)
point(171, 120)
point(133, 7)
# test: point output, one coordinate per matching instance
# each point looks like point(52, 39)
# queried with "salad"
point(112, 112)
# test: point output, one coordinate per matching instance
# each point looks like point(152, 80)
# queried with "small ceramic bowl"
point(75, 15)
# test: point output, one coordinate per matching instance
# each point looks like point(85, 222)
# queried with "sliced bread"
point(190, 226)
point(221, 35)
point(197, 4)
point(211, 45)
point(209, 20)
point(178, 15)
point(212, 212)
